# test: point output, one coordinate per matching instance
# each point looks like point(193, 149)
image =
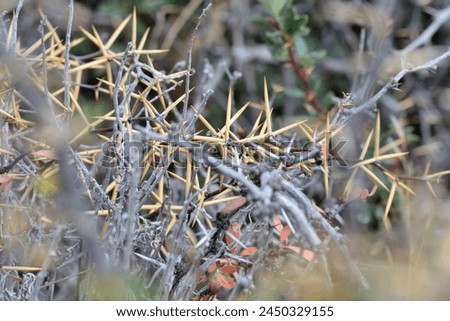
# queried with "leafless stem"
point(442, 17)
point(67, 59)
point(189, 66)
point(13, 43)
point(345, 114)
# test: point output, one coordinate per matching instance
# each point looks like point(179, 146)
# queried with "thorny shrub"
point(148, 199)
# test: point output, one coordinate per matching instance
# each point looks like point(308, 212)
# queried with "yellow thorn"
point(117, 32)
point(376, 151)
point(267, 108)
point(379, 158)
point(374, 177)
point(134, 28)
point(386, 221)
point(228, 117)
point(366, 146)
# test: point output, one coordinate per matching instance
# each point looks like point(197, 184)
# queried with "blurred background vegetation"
point(313, 54)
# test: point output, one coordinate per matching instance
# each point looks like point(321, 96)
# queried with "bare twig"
point(345, 114)
point(189, 66)
point(13, 43)
point(66, 80)
point(442, 17)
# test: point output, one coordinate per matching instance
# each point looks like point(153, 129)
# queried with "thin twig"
point(189, 66)
point(345, 114)
point(13, 44)
point(66, 80)
point(440, 19)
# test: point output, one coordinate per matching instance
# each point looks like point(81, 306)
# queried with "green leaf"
point(276, 45)
point(294, 92)
point(318, 54)
point(290, 21)
point(274, 8)
point(301, 48)
point(306, 61)
point(293, 23)
point(279, 52)
point(274, 38)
